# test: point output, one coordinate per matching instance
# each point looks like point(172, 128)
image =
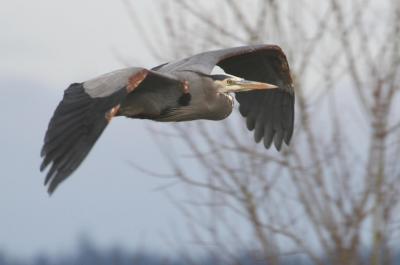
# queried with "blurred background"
point(204, 192)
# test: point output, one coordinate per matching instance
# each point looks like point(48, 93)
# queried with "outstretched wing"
point(270, 113)
point(81, 117)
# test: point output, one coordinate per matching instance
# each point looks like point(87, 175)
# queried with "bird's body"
point(178, 91)
point(168, 104)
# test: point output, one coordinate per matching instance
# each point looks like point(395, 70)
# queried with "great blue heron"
point(177, 91)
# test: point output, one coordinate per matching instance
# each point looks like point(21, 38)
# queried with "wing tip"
point(279, 139)
point(278, 146)
point(42, 166)
point(267, 144)
point(53, 179)
point(287, 141)
point(51, 188)
point(268, 138)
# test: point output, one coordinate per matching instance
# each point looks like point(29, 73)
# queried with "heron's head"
point(230, 83)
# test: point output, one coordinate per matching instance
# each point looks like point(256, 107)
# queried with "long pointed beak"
point(247, 85)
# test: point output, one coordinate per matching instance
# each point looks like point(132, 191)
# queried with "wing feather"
point(270, 113)
point(80, 118)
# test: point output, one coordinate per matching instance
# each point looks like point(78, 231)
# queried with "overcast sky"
point(44, 46)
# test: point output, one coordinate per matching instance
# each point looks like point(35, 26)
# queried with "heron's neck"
point(221, 87)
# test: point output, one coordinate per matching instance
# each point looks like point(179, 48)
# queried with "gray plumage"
point(178, 91)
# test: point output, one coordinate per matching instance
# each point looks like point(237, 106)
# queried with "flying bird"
point(182, 90)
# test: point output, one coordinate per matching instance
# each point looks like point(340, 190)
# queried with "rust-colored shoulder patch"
point(185, 86)
point(112, 112)
point(136, 79)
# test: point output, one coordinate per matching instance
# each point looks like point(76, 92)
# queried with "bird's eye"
point(229, 82)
